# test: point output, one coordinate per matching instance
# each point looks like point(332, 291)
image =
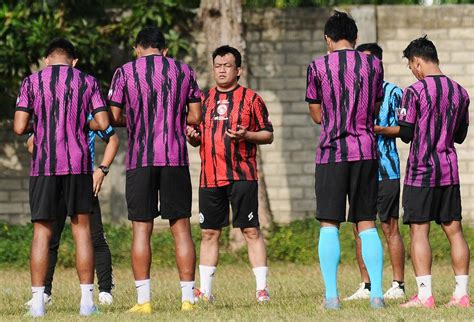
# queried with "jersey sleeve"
point(260, 115)
point(194, 94)
point(97, 100)
point(115, 95)
point(24, 101)
point(380, 91)
point(395, 103)
point(313, 87)
point(408, 109)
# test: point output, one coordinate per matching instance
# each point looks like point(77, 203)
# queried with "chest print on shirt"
point(222, 107)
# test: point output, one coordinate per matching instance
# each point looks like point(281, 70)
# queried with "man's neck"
point(432, 70)
point(151, 51)
point(227, 88)
point(342, 44)
point(59, 61)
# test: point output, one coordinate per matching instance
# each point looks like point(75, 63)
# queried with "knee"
point(251, 234)
point(210, 235)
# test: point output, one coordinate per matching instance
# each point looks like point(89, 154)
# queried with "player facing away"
point(235, 121)
point(102, 255)
point(344, 91)
point(388, 199)
point(160, 96)
point(59, 98)
point(434, 115)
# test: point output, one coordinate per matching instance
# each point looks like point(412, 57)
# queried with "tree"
point(102, 31)
point(222, 23)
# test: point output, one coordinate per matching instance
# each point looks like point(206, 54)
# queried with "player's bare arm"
point(109, 154)
point(388, 131)
point(315, 112)
point(260, 137)
point(101, 121)
point(117, 119)
point(21, 123)
point(194, 116)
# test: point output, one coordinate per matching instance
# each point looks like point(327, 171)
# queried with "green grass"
point(296, 291)
point(294, 243)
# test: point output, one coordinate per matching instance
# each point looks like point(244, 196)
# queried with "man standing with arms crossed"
point(344, 91)
point(388, 199)
point(235, 120)
point(160, 96)
point(59, 98)
point(434, 115)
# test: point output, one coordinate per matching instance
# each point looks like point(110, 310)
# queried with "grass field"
point(296, 291)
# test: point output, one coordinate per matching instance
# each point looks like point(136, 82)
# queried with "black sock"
point(367, 286)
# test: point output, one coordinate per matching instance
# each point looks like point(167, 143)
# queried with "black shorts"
point(173, 184)
point(355, 180)
point(47, 193)
point(214, 205)
point(388, 199)
point(425, 204)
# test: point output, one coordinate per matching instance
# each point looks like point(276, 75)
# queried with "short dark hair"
point(226, 49)
point(61, 46)
point(150, 37)
point(422, 48)
point(341, 26)
point(373, 48)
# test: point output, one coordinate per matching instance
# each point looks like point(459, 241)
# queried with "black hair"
point(422, 48)
point(341, 26)
point(373, 48)
point(61, 46)
point(224, 50)
point(150, 37)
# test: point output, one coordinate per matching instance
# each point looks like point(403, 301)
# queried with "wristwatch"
point(104, 169)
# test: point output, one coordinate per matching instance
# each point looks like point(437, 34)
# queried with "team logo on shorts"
point(17, 100)
point(222, 107)
point(109, 95)
point(250, 216)
point(201, 218)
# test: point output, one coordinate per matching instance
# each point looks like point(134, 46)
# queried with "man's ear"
point(138, 52)
point(164, 52)
point(46, 61)
point(74, 62)
point(239, 71)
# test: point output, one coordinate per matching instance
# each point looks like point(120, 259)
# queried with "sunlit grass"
point(296, 291)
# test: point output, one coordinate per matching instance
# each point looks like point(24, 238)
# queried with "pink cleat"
point(463, 302)
point(416, 302)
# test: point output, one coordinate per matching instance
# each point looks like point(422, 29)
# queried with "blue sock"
point(329, 251)
point(372, 254)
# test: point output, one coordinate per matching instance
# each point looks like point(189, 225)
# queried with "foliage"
point(101, 31)
point(293, 243)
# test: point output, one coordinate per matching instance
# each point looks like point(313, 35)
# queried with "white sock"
point(461, 286)
point(261, 277)
point(206, 274)
point(143, 291)
point(87, 295)
point(37, 302)
point(187, 291)
point(424, 287)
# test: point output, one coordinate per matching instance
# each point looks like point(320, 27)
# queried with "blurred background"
point(278, 38)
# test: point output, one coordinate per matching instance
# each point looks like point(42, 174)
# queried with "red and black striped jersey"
point(224, 160)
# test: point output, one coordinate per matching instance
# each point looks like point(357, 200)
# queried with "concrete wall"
point(280, 45)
